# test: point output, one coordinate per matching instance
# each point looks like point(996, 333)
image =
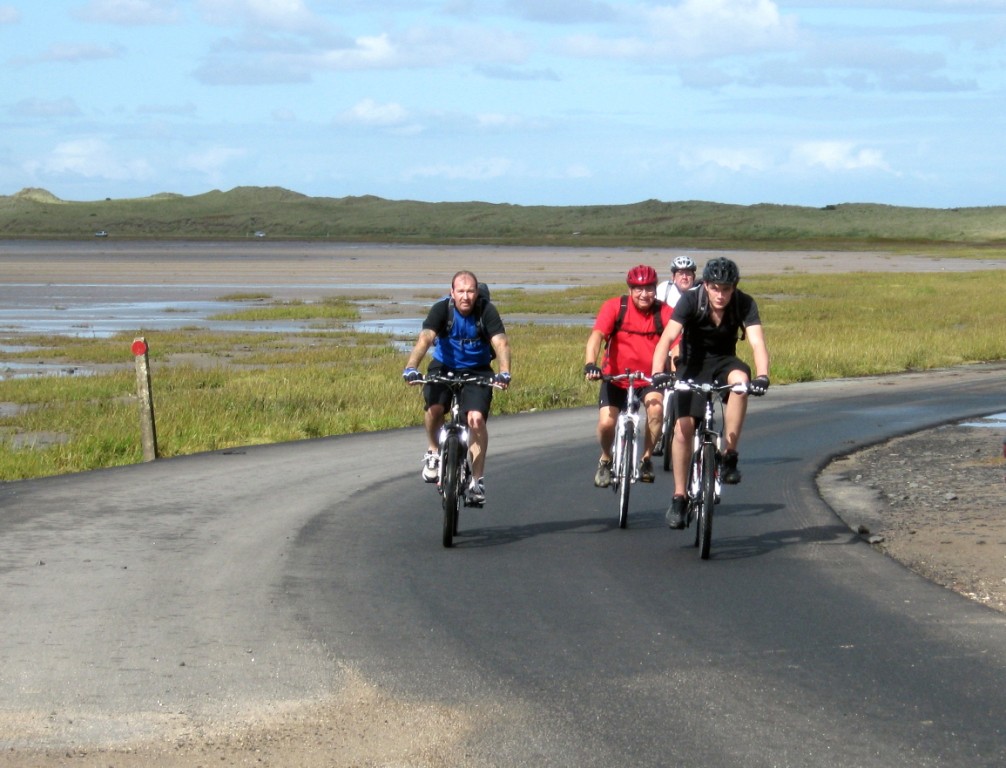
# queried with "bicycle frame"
point(704, 484)
point(455, 470)
point(706, 433)
point(625, 451)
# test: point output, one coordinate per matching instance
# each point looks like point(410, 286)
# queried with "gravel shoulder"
point(934, 502)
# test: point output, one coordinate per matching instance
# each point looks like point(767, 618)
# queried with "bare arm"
point(501, 345)
point(667, 340)
point(594, 342)
point(593, 349)
point(756, 338)
point(423, 344)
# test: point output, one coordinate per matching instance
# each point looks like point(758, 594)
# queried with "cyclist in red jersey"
point(631, 335)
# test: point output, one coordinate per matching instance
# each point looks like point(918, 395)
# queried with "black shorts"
point(474, 397)
point(714, 370)
point(618, 397)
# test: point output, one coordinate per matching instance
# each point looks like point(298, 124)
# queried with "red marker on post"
point(139, 347)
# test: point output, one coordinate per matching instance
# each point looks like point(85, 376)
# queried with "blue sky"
point(532, 102)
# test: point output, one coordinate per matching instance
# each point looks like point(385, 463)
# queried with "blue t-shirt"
point(464, 347)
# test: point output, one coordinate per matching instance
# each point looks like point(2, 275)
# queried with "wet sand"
point(203, 271)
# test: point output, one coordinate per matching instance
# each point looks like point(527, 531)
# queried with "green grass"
point(251, 388)
point(332, 308)
point(280, 213)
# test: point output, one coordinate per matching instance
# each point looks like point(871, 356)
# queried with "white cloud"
point(210, 162)
point(695, 29)
point(74, 52)
point(730, 159)
point(275, 15)
point(839, 156)
point(91, 158)
point(130, 12)
point(367, 53)
point(497, 120)
point(46, 108)
point(744, 22)
point(578, 171)
point(563, 11)
point(369, 112)
point(9, 14)
point(479, 169)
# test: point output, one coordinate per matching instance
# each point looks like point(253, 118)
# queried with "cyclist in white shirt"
point(682, 279)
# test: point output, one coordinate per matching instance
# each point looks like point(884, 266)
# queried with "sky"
point(528, 102)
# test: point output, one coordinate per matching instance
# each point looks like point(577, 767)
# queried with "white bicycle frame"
point(632, 415)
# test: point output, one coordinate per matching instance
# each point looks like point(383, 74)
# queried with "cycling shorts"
point(474, 397)
point(609, 395)
point(714, 369)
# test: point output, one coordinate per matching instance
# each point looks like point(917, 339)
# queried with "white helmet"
point(682, 262)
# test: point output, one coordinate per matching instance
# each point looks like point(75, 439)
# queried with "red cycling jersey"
point(631, 347)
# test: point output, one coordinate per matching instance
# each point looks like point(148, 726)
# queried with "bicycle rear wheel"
point(451, 487)
point(704, 530)
point(625, 474)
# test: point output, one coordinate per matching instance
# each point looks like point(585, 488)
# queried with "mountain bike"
point(628, 444)
point(455, 471)
point(704, 484)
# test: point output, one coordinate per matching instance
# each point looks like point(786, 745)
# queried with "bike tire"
point(704, 530)
point(451, 486)
point(625, 475)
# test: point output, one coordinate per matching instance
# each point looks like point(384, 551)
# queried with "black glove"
point(758, 385)
point(662, 379)
point(503, 379)
point(411, 375)
point(591, 371)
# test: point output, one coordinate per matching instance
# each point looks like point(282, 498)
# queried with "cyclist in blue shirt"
point(466, 332)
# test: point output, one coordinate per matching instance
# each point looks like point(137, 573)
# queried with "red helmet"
point(641, 275)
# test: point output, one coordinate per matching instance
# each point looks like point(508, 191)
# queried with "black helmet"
point(721, 270)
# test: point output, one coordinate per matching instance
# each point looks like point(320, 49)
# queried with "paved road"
point(206, 584)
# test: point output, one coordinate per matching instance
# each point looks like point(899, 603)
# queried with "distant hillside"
point(282, 214)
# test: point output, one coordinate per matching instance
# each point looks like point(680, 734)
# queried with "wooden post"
point(148, 432)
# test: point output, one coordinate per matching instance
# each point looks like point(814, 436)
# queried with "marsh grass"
point(216, 390)
point(329, 308)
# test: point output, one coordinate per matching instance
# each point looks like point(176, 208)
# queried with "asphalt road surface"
point(211, 584)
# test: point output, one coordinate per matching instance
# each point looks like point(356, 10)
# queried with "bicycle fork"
point(695, 476)
point(464, 469)
point(632, 473)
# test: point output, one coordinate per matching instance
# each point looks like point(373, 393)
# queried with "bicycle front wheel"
point(625, 474)
point(451, 487)
point(704, 531)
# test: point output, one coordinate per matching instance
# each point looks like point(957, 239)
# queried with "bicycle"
point(627, 445)
point(704, 486)
point(455, 470)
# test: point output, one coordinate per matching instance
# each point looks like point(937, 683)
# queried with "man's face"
point(643, 296)
point(684, 279)
point(464, 292)
point(719, 294)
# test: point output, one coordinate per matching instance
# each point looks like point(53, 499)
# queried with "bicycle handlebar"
point(459, 381)
point(635, 375)
point(680, 385)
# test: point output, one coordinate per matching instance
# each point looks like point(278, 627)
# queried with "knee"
point(476, 421)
